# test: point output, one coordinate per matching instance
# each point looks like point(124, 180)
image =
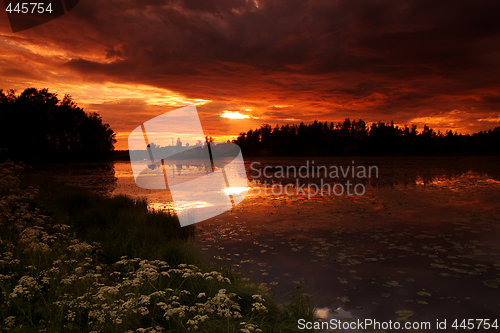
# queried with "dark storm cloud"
point(400, 40)
point(380, 60)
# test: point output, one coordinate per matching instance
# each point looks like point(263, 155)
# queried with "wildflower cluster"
point(52, 281)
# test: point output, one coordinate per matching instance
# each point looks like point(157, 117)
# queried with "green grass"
point(73, 261)
point(121, 225)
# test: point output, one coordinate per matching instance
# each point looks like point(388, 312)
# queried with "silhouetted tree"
point(355, 137)
point(37, 123)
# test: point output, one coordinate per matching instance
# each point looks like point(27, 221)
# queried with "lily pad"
point(424, 293)
point(490, 283)
point(404, 314)
point(392, 283)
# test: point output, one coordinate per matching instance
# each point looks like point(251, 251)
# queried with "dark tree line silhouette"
point(356, 137)
point(37, 123)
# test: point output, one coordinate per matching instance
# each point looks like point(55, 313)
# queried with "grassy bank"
point(72, 261)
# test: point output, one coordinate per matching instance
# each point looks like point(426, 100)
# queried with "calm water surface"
point(422, 243)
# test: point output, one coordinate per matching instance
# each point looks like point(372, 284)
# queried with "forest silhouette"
point(356, 137)
point(36, 124)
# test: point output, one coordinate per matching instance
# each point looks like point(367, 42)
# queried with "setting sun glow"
point(234, 115)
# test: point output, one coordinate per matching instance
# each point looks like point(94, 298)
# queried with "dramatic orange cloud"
point(267, 61)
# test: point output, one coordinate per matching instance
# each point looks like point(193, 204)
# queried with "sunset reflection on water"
point(423, 238)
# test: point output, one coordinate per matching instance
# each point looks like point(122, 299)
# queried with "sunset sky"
point(276, 62)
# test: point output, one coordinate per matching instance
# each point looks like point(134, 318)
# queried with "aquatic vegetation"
point(404, 314)
point(430, 247)
point(52, 281)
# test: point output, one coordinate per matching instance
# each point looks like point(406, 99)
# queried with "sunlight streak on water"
point(424, 237)
point(235, 190)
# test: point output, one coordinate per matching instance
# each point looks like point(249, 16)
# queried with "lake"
point(421, 244)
